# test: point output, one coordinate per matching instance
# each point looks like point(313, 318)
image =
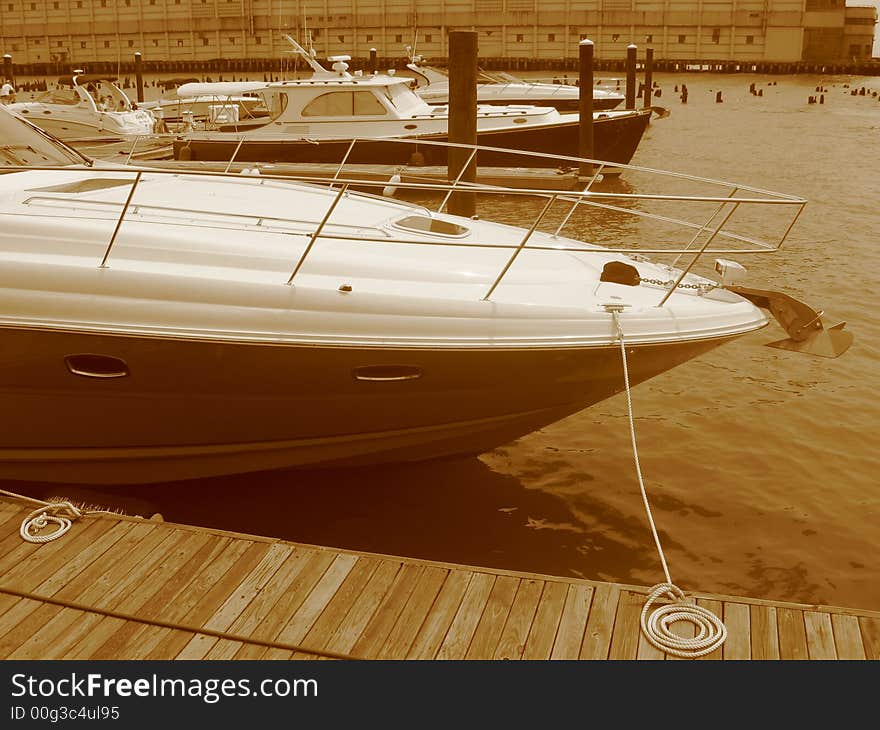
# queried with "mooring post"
point(372, 67)
point(585, 105)
point(462, 118)
point(649, 76)
point(631, 51)
point(7, 68)
point(139, 76)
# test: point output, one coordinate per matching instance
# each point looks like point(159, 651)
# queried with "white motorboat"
point(210, 108)
point(314, 119)
point(86, 107)
point(160, 325)
point(501, 87)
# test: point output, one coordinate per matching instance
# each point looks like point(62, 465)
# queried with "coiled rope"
point(60, 514)
point(711, 632)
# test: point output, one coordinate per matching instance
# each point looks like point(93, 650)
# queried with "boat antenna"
point(309, 57)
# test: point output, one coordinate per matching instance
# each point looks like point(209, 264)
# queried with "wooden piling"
point(649, 76)
point(7, 68)
point(631, 51)
point(462, 117)
point(585, 106)
point(372, 66)
point(139, 76)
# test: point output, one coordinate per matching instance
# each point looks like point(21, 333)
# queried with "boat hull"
point(615, 140)
point(196, 408)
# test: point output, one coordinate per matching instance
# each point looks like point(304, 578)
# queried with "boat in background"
point(212, 108)
point(86, 107)
point(500, 87)
point(316, 119)
point(161, 326)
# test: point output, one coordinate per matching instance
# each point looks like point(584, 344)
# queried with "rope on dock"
point(711, 632)
point(268, 643)
point(61, 514)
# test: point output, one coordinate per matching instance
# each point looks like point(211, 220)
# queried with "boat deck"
point(118, 587)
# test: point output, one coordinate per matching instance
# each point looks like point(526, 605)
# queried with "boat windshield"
point(404, 99)
point(22, 143)
point(59, 96)
point(108, 97)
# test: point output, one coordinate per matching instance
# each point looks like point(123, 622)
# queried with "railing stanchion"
point(455, 182)
point(520, 247)
point(234, 154)
point(317, 232)
point(131, 151)
point(137, 179)
point(344, 159)
point(699, 253)
point(579, 200)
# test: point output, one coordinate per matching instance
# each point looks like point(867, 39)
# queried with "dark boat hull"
point(195, 408)
point(615, 140)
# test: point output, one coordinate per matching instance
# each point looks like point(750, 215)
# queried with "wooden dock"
point(117, 587)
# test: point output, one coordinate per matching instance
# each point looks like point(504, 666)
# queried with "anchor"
point(808, 330)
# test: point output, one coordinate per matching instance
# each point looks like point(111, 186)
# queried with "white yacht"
point(314, 119)
point(501, 87)
point(160, 325)
point(86, 107)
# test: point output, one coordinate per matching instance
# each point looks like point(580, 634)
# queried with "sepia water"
point(763, 466)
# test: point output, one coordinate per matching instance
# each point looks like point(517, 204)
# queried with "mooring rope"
point(711, 632)
point(60, 514)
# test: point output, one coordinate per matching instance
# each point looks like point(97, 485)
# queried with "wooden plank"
point(600, 623)
point(224, 649)
point(717, 607)
point(647, 651)
point(235, 604)
point(341, 603)
point(491, 624)
point(765, 635)
point(299, 624)
point(625, 637)
point(870, 628)
point(739, 640)
point(792, 634)
point(542, 633)
point(367, 605)
point(414, 613)
point(138, 591)
point(820, 635)
point(157, 604)
point(513, 639)
point(463, 626)
point(291, 601)
point(573, 624)
point(847, 637)
point(384, 619)
point(441, 615)
point(44, 643)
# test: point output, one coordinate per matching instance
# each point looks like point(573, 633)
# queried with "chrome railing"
point(592, 194)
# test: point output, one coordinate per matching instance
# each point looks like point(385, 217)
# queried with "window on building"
point(428, 38)
point(106, 44)
point(103, 3)
point(341, 38)
point(59, 44)
point(258, 41)
point(682, 38)
point(615, 37)
point(155, 42)
point(204, 41)
point(33, 6)
point(131, 44)
point(82, 44)
point(369, 38)
point(10, 7)
point(519, 37)
point(551, 37)
point(649, 38)
point(750, 39)
point(128, 3)
point(231, 40)
point(55, 6)
point(79, 4)
point(716, 35)
point(180, 42)
point(398, 39)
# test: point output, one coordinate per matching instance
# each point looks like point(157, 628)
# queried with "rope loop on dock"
point(711, 632)
point(61, 514)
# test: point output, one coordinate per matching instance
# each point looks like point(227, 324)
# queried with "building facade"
point(110, 31)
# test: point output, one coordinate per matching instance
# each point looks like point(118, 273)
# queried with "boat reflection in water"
point(161, 325)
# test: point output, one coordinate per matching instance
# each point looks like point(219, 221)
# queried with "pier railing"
point(599, 212)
